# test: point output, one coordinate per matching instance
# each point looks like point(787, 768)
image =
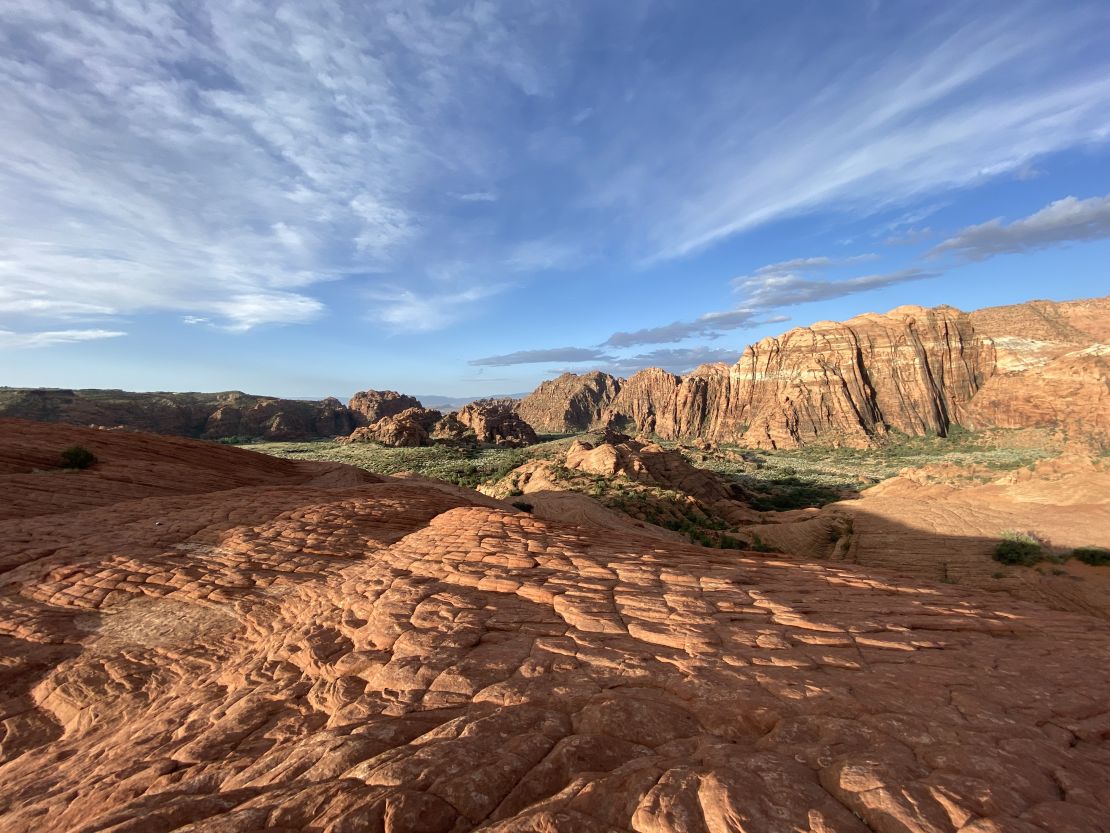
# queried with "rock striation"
point(913, 370)
point(221, 642)
point(497, 422)
point(1052, 370)
point(572, 402)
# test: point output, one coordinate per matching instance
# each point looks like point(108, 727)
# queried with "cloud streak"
point(1068, 220)
point(554, 354)
point(49, 338)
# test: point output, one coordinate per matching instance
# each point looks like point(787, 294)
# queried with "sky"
point(465, 198)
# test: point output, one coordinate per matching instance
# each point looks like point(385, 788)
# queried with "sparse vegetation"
point(759, 545)
point(1095, 556)
point(1020, 549)
point(78, 457)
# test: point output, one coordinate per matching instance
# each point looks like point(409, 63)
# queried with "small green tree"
point(78, 457)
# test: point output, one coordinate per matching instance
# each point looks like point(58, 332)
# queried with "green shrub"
point(78, 457)
point(522, 506)
point(1095, 556)
point(758, 545)
point(1019, 548)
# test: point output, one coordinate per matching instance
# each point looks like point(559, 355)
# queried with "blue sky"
point(311, 198)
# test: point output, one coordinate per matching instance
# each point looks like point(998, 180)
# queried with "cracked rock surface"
point(197, 638)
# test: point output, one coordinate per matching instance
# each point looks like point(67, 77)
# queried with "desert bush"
point(759, 545)
point(1095, 556)
point(1019, 548)
point(78, 457)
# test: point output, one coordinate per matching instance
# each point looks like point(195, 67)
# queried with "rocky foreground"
point(198, 638)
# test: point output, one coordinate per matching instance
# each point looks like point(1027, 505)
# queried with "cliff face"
point(912, 370)
point(569, 403)
point(1053, 368)
point(208, 415)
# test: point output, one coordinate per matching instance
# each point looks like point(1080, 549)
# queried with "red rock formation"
point(496, 421)
point(369, 406)
point(1053, 368)
point(243, 648)
point(408, 429)
point(911, 370)
point(210, 415)
point(572, 402)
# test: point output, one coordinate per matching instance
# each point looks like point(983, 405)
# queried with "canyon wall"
point(914, 370)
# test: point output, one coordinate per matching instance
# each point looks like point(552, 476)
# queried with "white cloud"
point(1068, 220)
point(48, 338)
point(477, 196)
point(405, 310)
point(208, 157)
point(771, 289)
point(955, 98)
point(554, 354)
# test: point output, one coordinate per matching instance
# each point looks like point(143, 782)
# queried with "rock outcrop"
point(569, 403)
point(497, 422)
point(221, 642)
point(1052, 369)
point(230, 414)
point(369, 406)
point(410, 428)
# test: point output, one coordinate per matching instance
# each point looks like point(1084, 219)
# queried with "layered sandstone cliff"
point(1052, 371)
point(913, 370)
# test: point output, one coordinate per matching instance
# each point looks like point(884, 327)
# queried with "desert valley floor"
point(202, 638)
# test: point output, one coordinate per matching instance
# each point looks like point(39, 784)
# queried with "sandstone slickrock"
point(942, 522)
point(210, 415)
point(496, 421)
point(369, 406)
point(572, 402)
point(235, 649)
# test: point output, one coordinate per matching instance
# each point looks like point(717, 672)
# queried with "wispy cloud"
point(210, 158)
point(765, 290)
point(554, 354)
point(222, 160)
point(710, 325)
point(48, 338)
point(408, 311)
point(1068, 220)
point(962, 95)
point(770, 287)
